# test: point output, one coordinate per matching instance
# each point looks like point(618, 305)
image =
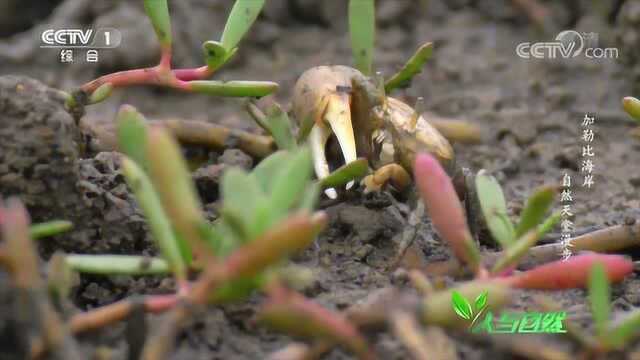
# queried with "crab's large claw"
point(338, 116)
point(317, 140)
point(323, 94)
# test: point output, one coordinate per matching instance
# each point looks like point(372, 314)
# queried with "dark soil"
point(530, 112)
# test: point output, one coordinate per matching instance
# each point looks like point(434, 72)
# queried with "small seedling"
point(216, 54)
point(447, 217)
point(158, 175)
point(609, 336)
point(266, 215)
point(632, 106)
point(494, 210)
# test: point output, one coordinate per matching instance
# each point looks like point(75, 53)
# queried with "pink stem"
point(165, 59)
point(124, 78)
point(147, 76)
point(160, 303)
point(162, 75)
point(200, 73)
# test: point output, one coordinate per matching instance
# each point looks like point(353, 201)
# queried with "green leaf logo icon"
point(481, 301)
point(461, 306)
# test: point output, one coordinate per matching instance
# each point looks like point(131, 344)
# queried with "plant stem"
point(117, 264)
point(160, 225)
point(49, 228)
point(32, 304)
point(198, 73)
point(216, 136)
point(120, 310)
point(408, 331)
point(290, 235)
point(157, 75)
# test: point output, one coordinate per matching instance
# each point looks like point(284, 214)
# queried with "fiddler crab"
point(341, 101)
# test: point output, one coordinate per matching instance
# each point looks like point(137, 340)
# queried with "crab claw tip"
point(338, 115)
point(350, 184)
point(331, 193)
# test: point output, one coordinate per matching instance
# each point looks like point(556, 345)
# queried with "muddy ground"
point(530, 112)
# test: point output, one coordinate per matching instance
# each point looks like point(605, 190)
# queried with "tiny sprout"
point(609, 335)
point(494, 210)
point(242, 16)
point(411, 68)
point(632, 106)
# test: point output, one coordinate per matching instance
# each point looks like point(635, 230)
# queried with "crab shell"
point(412, 136)
point(341, 101)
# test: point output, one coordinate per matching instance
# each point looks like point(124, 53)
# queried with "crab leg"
point(338, 115)
point(390, 173)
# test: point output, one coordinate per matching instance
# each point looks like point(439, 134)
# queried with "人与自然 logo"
point(508, 322)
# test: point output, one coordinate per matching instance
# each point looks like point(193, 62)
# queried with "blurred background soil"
point(530, 112)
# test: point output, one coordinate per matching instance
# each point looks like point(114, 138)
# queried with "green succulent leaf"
point(600, 298)
point(290, 183)
point(132, 134)
point(170, 176)
point(158, 13)
point(266, 171)
point(521, 246)
point(362, 27)
point(215, 54)
point(49, 228)
point(494, 209)
point(240, 194)
point(413, 67)
point(243, 14)
point(632, 106)
point(101, 93)
point(221, 243)
point(233, 88)
point(535, 209)
point(481, 301)
point(310, 197)
point(461, 306)
point(280, 128)
point(305, 128)
point(351, 171)
point(237, 289)
point(159, 223)
point(117, 264)
point(619, 334)
point(263, 218)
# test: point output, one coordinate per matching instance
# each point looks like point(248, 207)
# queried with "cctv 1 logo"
point(81, 38)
